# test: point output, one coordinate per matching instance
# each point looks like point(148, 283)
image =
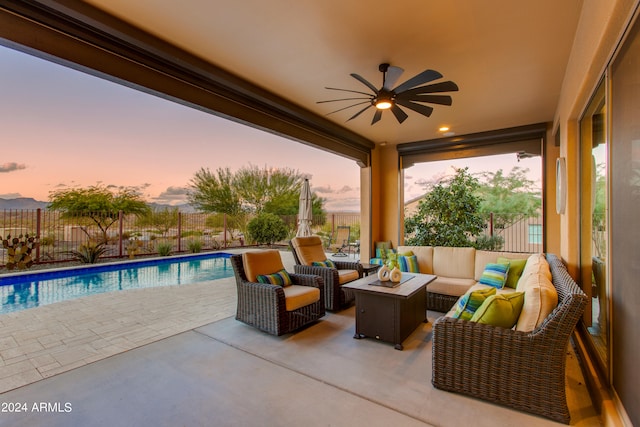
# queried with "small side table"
point(368, 269)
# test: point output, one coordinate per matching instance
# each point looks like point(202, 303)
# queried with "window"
point(535, 234)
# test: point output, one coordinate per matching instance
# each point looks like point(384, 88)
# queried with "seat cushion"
point(309, 249)
point(450, 286)
point(454, 262)
point(300, 296)
point(260, 263)
point(345, 276)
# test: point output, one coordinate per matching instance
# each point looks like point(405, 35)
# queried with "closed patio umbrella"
point(305, 213)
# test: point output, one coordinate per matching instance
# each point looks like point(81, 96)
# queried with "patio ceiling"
point(267, 64)
point(508, 58)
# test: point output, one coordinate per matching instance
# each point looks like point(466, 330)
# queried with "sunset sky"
point(62, 128)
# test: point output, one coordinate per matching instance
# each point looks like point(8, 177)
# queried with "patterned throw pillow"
point(470, 302)
point(325, 263)
point(281, 278)
point(408, 263)
point(495, 275)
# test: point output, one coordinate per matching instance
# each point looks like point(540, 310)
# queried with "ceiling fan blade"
point(349, 106)
point(391, 76)
point(376, 117)
point(365, 82)
point(448, 86)
point(433, 99)
point(361, 111)
point(425, 110)
point(342, 99)
point(401, 116)
point(424, 77)
point(349, 90)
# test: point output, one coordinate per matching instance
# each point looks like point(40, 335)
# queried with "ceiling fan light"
point(383, 104)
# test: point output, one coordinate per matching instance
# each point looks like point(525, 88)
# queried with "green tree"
point(510, 198)
point(266, 228)
point(98, 205)
point(250, 189)
point(215, 192)
point(273, 190)
point(161, 220)
point(449, 215)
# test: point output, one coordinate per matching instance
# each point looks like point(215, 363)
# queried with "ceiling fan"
point(412, 94)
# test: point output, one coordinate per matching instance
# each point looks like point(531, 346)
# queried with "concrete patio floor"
point(176, 356)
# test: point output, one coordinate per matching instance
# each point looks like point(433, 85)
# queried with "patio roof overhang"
point(83, 37)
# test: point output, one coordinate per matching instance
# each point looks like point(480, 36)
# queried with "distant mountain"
point(29, 203)
point(22, 203)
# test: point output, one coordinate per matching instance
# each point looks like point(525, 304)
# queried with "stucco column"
point(386, 196)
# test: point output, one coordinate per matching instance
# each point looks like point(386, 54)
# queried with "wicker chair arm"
point(349, 265)
point(261, 289)
point(307, 280)
point(329, 275)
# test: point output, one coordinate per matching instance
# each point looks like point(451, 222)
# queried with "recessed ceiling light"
point(443, 128)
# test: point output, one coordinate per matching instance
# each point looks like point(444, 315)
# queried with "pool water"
point(19, 292)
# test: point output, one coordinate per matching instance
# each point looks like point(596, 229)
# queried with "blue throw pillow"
point(495, 275)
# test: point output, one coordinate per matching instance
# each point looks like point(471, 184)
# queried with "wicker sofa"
point(458, 269)
point(522, 370)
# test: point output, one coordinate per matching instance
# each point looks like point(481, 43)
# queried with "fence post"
point(120, 231)
point(38, 230)
point(224, 222)
point(179, 231)
point(491, 224)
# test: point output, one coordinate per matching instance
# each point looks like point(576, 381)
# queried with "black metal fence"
point(180, 232)
point(130, 236)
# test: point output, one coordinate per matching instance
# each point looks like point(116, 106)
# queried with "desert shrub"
point(164, 248)
point(89, 252)
point(194, 246)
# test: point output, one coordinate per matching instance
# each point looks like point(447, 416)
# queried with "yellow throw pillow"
point(500, 310)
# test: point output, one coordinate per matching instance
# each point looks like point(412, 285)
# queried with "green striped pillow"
point(495, 275)
point(325, 263)
point(408, 264)
point(470, 302)
point(280, 278)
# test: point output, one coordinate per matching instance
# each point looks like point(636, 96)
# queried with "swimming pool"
point(22, 291)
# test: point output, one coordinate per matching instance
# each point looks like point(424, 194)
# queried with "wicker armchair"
point(264, 305)
point(522, 370)
point(306, 250)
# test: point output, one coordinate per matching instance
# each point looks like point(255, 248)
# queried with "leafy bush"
point(89, 253)
point(489, 243)
point(164, 248)
point(194, 246)
point(267, 228)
